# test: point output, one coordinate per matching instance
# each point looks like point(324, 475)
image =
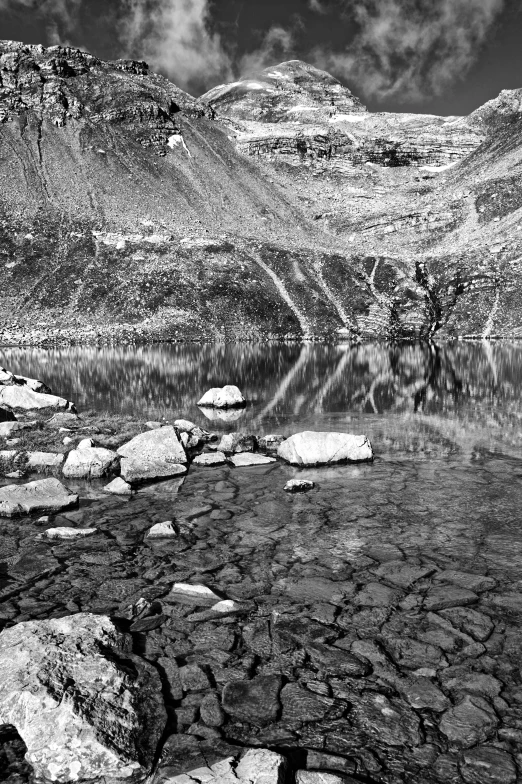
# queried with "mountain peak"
point(290, 91)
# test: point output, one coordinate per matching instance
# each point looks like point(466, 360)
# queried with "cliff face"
point(129, 209)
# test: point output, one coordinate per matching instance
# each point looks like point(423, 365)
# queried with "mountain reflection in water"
point(417, 399)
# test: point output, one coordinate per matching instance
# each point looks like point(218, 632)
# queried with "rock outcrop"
point(310, 448)
point(84, 705)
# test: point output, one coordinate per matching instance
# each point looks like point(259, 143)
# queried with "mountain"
point(273, 207)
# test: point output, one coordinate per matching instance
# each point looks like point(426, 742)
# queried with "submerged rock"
point(118, 486)
point(44, 495)
point(311, 448)
point(152, 455)
point(25, 398)
point(248, 459)
point(228, 396)
point(298, 485)
point(88, 462)
point(84, 705)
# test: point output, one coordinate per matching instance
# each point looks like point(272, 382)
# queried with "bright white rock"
point(298, 485)
point(210, 459)
point(90, 462)
point(310, 448)
point(63, 532)
point(118, 486)
point(152, 455)
point(161, 531)
point(228, 396)
point(200, 594)
point(248, 459)
point(25, 398)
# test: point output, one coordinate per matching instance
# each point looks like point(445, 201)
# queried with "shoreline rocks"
point(311, 448)
point(153, 455)
point(43, 495)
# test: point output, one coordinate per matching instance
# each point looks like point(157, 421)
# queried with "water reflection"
point(421, 399)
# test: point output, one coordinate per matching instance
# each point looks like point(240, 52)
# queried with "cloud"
point(175, 37)
point(60, 16)
point(277, 45)
point(411, 49)
point(317, 6)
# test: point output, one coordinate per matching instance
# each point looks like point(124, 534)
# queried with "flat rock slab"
point(64, 532)
point(81, 714)
point(310, 448)
point(38, 461)
point(90, 463)
point(194, 594)
point(228, 396)
point(44, 495)
point(245, 459)
point(27, 399)
point(153, 455)
point(210, 459)
point(255, 701)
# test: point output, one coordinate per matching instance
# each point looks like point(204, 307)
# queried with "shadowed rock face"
point(280, 208)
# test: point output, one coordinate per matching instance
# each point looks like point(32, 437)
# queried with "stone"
point(402, 574)
point(298, 486)
point(210, 459)
point(270, 443)
point(377, 595)
point(508, 602)
point(40, 461)
point(193, 678)
point(153, 425)
point(24, 398)
point(211, 712)
point(317, 777)
point(85, 443)
point(184, 425)
point(6, 416)
point(171, 672)
point(487, 765)
point(81, 714)
point(228, 396)
point(255, 701)
point(337, 662)
point(66, 421)
point(118, 486)
point(300, 705)
point(261, 766)
point(227, 607)
point(311, 448)
point(87, 462)
point(412, 654)
point(237, 442)
point(246, 459)
point(197, 594)
point(152, 455)
point(469, 581)
point(440, 598)
point(43, 495)
point(474, 683)
point(472, 622)
point(387, 721)
point(422, 693)
point(471, 721)
point(161, 531)
point(68, 533)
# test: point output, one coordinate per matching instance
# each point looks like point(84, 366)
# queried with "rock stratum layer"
point(273, 207)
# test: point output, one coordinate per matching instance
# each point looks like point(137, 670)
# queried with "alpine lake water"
point(413, 562)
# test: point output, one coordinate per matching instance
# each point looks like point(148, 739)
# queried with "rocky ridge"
point(274, 207)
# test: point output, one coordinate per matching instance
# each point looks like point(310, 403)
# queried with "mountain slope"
point(130, 210)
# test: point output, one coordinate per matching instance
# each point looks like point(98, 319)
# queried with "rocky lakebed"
point(227, 604)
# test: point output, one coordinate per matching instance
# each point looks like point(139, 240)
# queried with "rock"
point(271, 442)
point(64, 420)
point(210, 459)
point(226, 397)
point(301, 705)
point(412, 654)
point(442, 597)
point(336, 661)
point(82, 714)
point(298, 486)
point(422, 693)
point(40, 461)
point(317, 777)
point(471, 582)
point(255, 701)
point(237, 442)
point(471, 721)
point(260, 766)
point(152, 455)
point(6, 416)
point(161, 531)
point(66, 441)
point(118, 486)
point(44, 495)
point(227, 607)
point(402, 574)
point(195, 594)
point(25, 398)
point(311, 448)
point(246, 459)
point(88, 462)
point(387, 721)
point(377, 595)
point(153, 425)
point(487, 765)
point(8, 428)
point(211, 712)
point(474, 683)
point(9, 379)
point(474, 623)
point(68, 533)
point(184, 425)
point(85, 443)
point(193, 678)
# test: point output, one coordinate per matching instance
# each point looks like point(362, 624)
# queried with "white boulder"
point(210, 459)
point(63, 532)
point(44, 495)
point(90, 462)
point(199, 594)
point(228, 396)
point(310, 448)
point(82, 715)
point(298, 485)
point(162, 531)
point(118, 486)
point(152, 455)
point(245, 459)
point(25, 398)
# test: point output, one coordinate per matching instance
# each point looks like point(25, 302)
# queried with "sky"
point(433, 56)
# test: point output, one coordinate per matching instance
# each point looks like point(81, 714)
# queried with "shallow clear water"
point(444, 493)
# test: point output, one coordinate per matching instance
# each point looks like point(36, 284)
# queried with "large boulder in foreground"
point(44, 495)
point(7, 378)
point(153, 455)
point(228, 396)
point(25, 398)
point(311, 449)
point(84, 705)
point(90, 462)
